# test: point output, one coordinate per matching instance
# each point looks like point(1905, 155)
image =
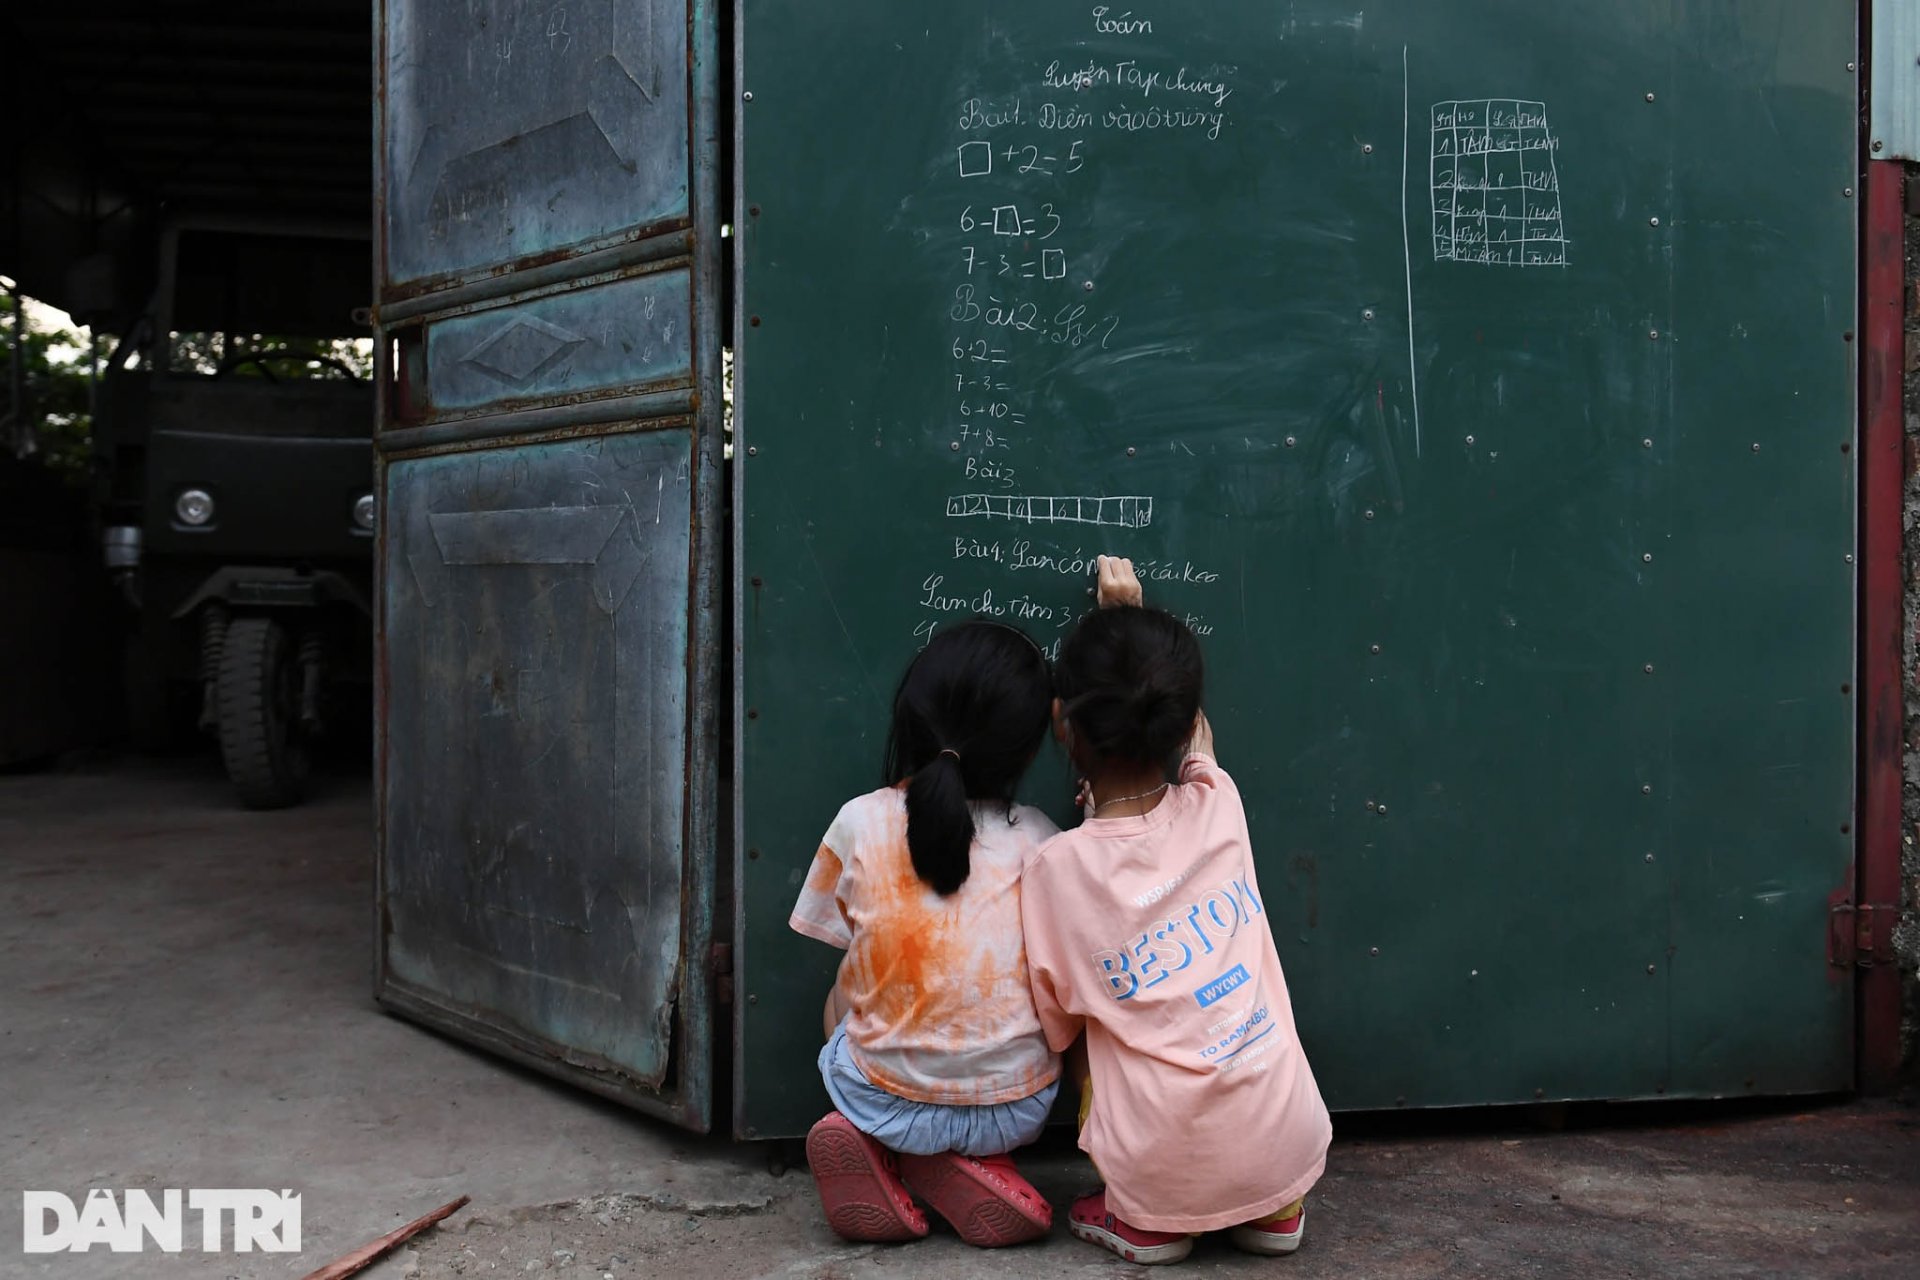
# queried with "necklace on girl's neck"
point(1123, 799)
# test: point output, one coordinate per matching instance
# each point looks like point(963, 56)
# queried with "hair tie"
point(949, 751)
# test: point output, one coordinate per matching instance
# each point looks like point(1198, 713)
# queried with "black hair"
point(967, 721)
point(1130, 681)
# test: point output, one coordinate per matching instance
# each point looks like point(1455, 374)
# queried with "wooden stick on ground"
point(366, 1255)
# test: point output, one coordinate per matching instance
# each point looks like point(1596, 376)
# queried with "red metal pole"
point(1881, 707)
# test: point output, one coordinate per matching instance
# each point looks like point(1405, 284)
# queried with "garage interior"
point(188, 1000)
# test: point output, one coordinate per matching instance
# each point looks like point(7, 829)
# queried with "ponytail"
point(970, 713)
point(939, 824)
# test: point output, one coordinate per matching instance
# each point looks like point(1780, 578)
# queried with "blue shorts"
point(928, 1128)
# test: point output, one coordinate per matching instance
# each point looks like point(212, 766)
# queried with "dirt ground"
point(1830, 1192)
point(185, 1002)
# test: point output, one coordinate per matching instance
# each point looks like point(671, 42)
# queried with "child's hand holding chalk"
point(1117, 583)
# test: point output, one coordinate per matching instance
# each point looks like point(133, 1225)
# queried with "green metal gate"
point(1477, 378)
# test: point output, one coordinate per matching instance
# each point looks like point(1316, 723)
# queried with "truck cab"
point(234, 433)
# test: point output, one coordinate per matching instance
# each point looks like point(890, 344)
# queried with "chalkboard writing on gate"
point(1415, 353)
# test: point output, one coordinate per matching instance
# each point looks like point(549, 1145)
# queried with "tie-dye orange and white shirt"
point(942, 1010)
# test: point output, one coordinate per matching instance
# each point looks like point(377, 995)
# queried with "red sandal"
point(860, 1186)
point(984, 1197)
point(1275, 1235)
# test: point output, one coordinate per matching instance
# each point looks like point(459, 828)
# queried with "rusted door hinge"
point(1860, 935)
point(1873, 933)
point(720, 965)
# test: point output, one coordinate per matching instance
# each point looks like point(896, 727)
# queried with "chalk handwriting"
point(1129, 74)
point(1068, 327)
point(1136, 121)
point(979, 352)
point(1091, 76)
point(559, 38)
point(1052, 115)
point(978, 113)
point(1050, 650)
point(1119, 513)
point(1005, 220)
point(976, 159)
point(1020, 555)
point(933, 597)
point(1205, 118)
point(1108, 23)
point(938, 598)
point(990, 471)
point(1005, 306)
point(1495, 185)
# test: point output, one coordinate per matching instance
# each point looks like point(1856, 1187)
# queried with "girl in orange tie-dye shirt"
point(935, 1059)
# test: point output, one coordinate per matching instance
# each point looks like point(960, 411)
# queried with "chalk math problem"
point(1024, 297)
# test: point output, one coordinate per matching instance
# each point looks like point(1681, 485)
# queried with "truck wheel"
point(259, 695)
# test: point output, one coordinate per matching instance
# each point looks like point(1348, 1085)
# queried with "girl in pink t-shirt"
point(1147, 932)
point(935, 1059)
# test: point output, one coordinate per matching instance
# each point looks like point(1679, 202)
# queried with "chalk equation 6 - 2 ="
point(1133, 512)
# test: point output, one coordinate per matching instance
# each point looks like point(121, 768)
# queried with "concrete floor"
point(184, 1003)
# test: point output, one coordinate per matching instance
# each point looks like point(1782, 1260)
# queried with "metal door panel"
point(626, 333)
point(549, 457)
point(540, 593)
point(516, 129)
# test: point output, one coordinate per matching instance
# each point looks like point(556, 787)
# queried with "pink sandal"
point(860, 1186)
point(985, 1198)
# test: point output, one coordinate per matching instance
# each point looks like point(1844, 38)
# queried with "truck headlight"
point(363, 511)
point(193, 507)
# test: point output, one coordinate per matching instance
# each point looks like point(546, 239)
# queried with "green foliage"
point(280, 358)
point(58, 408)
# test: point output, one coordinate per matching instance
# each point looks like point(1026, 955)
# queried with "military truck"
point(234, 442)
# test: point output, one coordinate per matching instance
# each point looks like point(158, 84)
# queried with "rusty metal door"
point(548, 456)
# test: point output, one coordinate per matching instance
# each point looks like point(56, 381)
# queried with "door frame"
point(1874, 901)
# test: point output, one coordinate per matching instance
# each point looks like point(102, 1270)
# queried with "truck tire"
point(259, 696)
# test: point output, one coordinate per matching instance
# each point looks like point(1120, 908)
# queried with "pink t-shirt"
point(941, 1010)
point(1151, 933)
